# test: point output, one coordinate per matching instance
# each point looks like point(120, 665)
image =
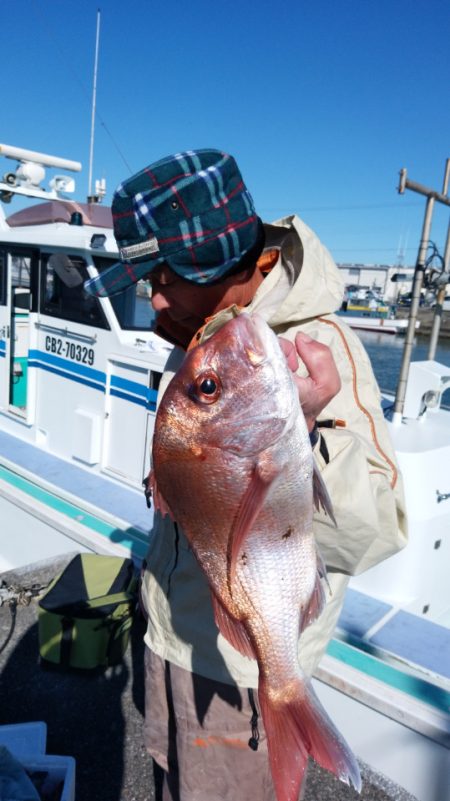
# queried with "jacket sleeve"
point(358, 466)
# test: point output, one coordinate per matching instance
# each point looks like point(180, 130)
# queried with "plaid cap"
point(191, 211)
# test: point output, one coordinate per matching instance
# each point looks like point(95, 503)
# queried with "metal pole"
point(94, 99)
point(437, 319)
point(431, 196)
point(417, 286)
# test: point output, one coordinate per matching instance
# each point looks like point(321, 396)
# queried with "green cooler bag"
point(85, 615)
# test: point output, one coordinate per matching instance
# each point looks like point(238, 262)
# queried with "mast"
point(91, 197)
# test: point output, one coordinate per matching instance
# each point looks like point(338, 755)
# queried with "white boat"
point(386, 676)
point(78, 383)
point(78, 377)
point(365, 319)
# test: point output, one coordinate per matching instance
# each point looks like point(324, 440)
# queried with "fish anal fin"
point(264, 473)
point(321, 496)
point(297, 728)
point(233, 630)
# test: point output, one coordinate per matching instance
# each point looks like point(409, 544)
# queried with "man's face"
point(188, 304)
point(185, 303)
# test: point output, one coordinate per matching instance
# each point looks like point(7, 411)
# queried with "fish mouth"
point(278, 410)
point(260, 341)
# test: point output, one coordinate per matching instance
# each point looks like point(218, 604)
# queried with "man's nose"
point(158, 298)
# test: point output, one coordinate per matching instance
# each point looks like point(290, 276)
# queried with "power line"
point(359, 207)
point(367, 250)
point(71, 71)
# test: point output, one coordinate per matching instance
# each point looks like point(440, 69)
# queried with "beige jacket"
point(300, 293)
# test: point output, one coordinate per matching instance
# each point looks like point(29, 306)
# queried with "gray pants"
point(197, 730)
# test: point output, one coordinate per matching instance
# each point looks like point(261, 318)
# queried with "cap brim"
point(119, 277)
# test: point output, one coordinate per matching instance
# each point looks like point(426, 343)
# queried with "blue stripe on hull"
point(69, 376)
point(131, 391)
point(134, 388)
point(130, 398)
point(42, 357)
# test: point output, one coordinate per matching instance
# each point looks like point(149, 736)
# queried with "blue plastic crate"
point(24, 739)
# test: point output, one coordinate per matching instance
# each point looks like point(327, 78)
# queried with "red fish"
point(232, 464)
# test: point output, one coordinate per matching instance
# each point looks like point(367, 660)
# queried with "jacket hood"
point(304, 283)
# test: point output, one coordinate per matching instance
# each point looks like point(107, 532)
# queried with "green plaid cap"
point(192, 211)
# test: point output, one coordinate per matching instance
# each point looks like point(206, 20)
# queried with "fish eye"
point(207, 388)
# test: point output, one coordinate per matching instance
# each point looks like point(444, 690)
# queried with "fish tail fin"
point(298, 727)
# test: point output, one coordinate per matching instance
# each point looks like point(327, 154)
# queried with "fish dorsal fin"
point(320, 493)
point(264, 473)
point(233, 630)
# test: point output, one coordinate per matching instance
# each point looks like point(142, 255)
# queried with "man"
point(187, 223)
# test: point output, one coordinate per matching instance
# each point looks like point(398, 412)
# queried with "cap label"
point(142, 249)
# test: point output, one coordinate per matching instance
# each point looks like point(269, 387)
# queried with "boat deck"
point(385, 680)
point(98, 719)
point(80, 505)
point(377, 626)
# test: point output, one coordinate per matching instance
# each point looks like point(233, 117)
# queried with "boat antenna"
point(91, 197)
point(431, 196)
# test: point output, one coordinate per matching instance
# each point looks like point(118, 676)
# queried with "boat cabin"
point(78, 375)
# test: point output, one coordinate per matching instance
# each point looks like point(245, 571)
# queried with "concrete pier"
point(425, 317)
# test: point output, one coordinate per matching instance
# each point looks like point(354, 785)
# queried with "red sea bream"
point(232, 464)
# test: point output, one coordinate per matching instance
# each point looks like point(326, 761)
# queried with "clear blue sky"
point(321, 102)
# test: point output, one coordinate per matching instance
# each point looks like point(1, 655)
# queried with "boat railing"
point(65, 332)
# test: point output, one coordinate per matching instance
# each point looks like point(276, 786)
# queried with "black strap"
point(314, 435)
point(324, 450)
point(147, 491)
point(254, 739)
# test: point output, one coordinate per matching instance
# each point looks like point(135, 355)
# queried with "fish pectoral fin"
point(159, 504)
point(322, 569)
point(233, 630)
point(264, 473)
point(321, 496)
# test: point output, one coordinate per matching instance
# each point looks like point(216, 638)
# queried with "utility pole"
point(431, 196)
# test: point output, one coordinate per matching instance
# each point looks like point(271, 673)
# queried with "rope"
point(14, 595)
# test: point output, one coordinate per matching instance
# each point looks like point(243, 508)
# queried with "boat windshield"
point(132, 307)
point(62, 292)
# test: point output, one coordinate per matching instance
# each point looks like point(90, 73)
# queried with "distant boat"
point(377, 318)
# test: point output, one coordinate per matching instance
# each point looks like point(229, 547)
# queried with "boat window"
point(62, 291)
point(21, 281)
point(2, 278)
point(132, 307)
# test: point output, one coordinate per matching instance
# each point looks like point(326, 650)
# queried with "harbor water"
point(386, 350)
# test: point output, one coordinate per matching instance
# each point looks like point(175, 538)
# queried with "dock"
point(425, 317)
point(98, 718)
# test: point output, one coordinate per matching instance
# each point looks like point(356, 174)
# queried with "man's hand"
point(323, 382)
